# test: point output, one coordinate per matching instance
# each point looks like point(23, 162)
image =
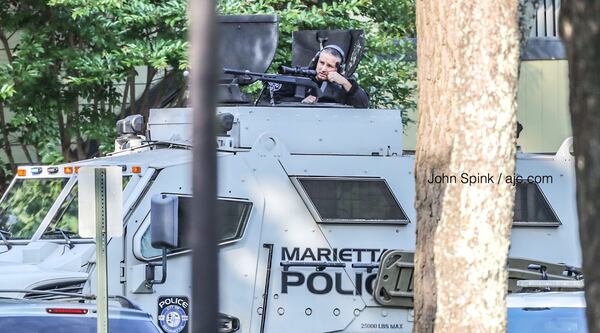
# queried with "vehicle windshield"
point(26, 204)
point(70, 324)
point(65, 218)
point(546, 320)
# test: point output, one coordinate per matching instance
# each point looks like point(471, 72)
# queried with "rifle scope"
point(303, 71)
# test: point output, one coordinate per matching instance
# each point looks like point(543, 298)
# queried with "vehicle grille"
point(65, 287)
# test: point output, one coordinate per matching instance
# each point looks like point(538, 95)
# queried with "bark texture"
point(468, 55)
point(580, 30)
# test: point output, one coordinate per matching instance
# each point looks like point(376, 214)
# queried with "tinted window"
point(546, 320)
point(231, 219)
point(352, 200)
point(531, 205)
point(232, 216)
point(69, 324)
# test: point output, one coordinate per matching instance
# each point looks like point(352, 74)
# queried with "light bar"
point(69, 170)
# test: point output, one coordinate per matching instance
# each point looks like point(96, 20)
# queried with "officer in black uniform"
point(334, 86)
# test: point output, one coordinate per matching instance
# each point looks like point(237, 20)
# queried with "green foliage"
point(7, 86)
point(383, 72)
point(71, 54)
point(48, 152)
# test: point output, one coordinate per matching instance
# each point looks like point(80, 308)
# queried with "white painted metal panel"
point(170, 125)
point(88, 189)
point(303, 130)
point(324, 131)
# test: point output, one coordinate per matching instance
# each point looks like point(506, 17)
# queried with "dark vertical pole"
point(203, 234)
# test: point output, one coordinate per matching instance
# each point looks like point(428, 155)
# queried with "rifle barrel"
point(284, 79)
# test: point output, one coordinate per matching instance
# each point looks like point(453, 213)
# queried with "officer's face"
point(326, 64)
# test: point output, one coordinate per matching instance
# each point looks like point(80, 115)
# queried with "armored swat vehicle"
point(315, 204)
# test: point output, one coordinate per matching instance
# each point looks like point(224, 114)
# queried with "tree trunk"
point(5, 139)
point(25, 150)
point(65, 143)
point(6, 46)
point(145, 108)
point(132, 93)
point(467, 76)
point(122, 113)
point(580, 29)
point(3, 181)
point(80, 144)
point(167, 76)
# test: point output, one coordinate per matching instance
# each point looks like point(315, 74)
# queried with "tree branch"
point(4, 40)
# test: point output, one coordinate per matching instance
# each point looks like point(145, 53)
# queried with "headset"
point(340, 65)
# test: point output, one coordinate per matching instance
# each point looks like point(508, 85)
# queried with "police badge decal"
point(173, 314)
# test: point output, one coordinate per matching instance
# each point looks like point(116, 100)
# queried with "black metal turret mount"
point(247, 42)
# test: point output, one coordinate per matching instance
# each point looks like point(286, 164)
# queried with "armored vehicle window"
point(232, 216)
point(26, 204)
point(347, 200)
point(231, 219)
point(531, 206)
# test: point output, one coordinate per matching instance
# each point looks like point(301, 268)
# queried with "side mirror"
point(165, 227)
point(165, 224)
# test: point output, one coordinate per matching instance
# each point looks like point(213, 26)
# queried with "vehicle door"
point(239, 210)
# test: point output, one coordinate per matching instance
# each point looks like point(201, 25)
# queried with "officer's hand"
point(310, 99)
point(338, 78)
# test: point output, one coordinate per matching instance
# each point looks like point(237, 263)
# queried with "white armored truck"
point(316, 212)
